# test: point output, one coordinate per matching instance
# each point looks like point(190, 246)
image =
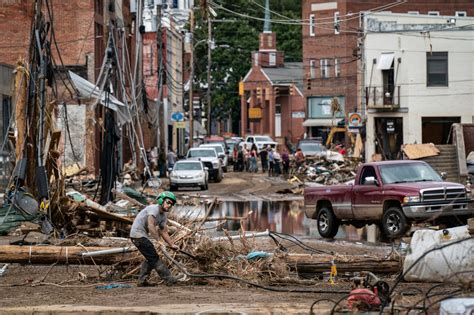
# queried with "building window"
point(272, 59)
point(337, 23)
point(437, 68)
point(461, 13)
point(337, 68)
point(312, 25)
point(312, 69)
point(434, 13)
point(324, 63)
point(413, 12)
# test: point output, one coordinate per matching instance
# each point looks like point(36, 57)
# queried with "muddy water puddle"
point(278, 216)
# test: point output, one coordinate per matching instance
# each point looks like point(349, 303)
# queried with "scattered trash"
point(457, 306)
point(257, 254)
point(113, 286)
point(3, 270)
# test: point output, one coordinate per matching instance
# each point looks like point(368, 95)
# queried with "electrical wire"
point(183, 269)
point(296, 241)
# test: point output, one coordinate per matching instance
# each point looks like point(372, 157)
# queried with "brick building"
point(80, 28)
point(331, 54)
point(271, 95)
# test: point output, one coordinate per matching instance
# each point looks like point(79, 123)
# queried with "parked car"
point(210, 159)
point(220, 152)
point(237, 139)
point(261, 141)
point(391, 194)
point(189, 173)
point(312, 148)
point(216, 139)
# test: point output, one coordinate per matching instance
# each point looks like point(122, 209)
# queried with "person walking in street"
point(276, 162)
point(285, 158)
point(151, 223)
point(263, 159)
point(270, 161)
point(239, 167)
point(246, 157)
point(253, 159)
point(299, 158)
point(171, 158)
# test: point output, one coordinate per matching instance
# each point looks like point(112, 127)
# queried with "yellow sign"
point(241, 88)
point(180, 124)
point(255, 113)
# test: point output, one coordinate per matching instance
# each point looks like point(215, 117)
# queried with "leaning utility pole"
point(191, 76)
point(209, 83)
point(161, 111)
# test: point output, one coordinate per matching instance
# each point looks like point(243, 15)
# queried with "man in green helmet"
point(151, 223)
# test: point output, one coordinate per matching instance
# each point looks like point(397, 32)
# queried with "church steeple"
point(267, 55)
point(267, 26)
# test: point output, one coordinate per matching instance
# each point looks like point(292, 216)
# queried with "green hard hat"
point(164, 195)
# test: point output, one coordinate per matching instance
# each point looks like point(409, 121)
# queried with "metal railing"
point(383, 96)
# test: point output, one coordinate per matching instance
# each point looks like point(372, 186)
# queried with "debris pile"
point(329, 171)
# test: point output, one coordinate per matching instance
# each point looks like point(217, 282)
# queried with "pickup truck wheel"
point(328, 224)
point(394, 223)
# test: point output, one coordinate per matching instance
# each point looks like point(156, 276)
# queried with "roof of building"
point(292, 72)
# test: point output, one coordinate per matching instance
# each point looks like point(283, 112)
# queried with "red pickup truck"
point(391, 194)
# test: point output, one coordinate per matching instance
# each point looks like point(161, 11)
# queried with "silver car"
point(189, 173)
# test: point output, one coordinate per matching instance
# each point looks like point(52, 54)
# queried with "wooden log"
point(306, 263)
point(102, 212)
point(57, 254)
point(21, 81)
point(129, 199)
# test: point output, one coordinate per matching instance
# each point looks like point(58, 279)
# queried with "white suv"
point(220, 152)
point(210, 159)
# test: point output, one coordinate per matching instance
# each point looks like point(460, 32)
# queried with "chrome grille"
point(442, 194)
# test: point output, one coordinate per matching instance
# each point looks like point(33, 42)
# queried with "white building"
point(418, 79)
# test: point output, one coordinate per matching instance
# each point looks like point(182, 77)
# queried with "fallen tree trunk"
point(305, 263)
point(57, 254)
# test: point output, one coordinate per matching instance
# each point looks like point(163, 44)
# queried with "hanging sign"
point(355, 120)
point(177, 116)
point(255, 113)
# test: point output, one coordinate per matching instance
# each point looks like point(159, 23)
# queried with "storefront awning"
point(385, 61)
point(320, 122)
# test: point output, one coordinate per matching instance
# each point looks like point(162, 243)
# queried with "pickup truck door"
point(367, 196)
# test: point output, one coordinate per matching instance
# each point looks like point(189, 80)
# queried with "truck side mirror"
point(444, 175)
point(371, 180)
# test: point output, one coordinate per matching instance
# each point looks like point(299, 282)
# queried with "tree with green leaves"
point(235, 36)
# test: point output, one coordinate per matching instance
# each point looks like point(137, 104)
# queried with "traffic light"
point(292, 90)
point(308, 83)
point(259, 91)
point(277, 92)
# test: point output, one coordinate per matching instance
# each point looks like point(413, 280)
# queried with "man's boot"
point(145, 270)
point(165, 273)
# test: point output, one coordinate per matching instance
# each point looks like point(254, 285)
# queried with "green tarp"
point(10, 218)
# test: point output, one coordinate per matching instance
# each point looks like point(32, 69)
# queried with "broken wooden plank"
point(102, 212)
point(418, 151)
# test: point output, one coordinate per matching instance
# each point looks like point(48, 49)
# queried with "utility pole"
point(191, 76)
point(209, 64)
point(161, 112)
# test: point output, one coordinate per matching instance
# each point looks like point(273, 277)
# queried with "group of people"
point(272, 160)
